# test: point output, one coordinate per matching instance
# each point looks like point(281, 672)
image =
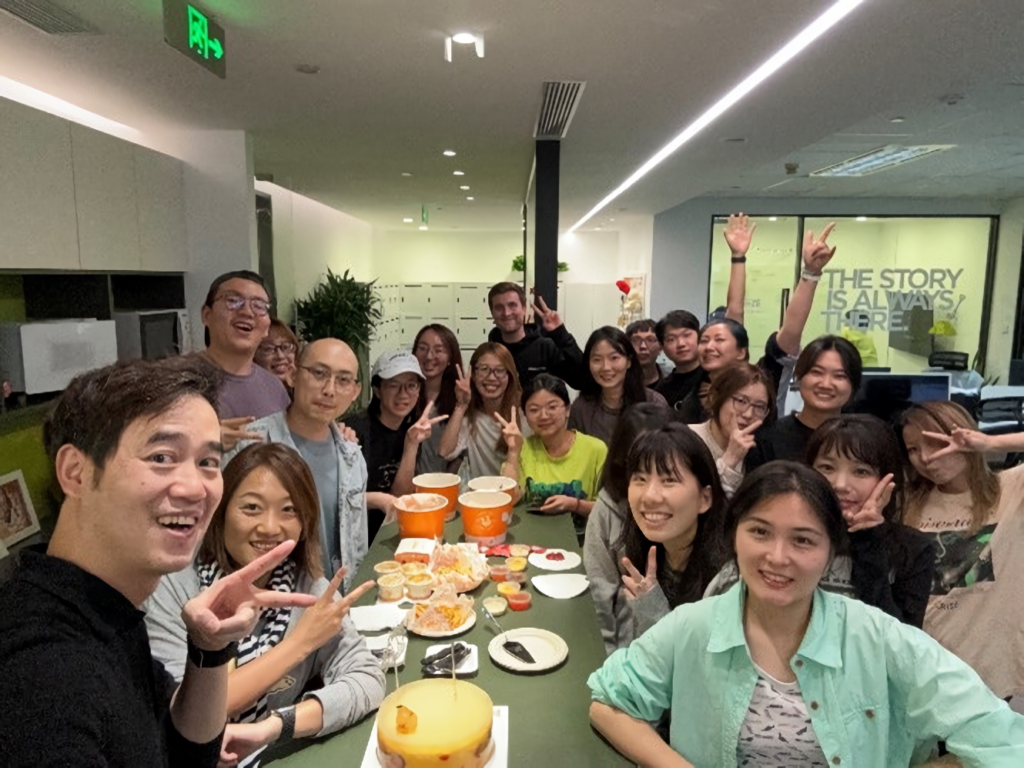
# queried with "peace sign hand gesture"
point(739, 232)
point(510, 431)
point(870, 513)
point(740, 443)
point(816, 251)
point(961, 440)
point(420, 431)
point(637, 585)
point(322, 621)
point(463, 390)
point(549, 318)
point(228, 609)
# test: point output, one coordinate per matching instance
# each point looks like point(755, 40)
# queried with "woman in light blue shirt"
point(777, 670)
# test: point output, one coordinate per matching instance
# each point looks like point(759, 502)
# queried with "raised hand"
point(510, 432)
point(960, 441)
point(740, 443)
point(637, 585)
point(420, 431)
point(739, 231)
point(232, 431)
point(870, 513)
point(549, 318)
point(322, 621)
point(228, 609)
point(816, 251)
point(463, 388)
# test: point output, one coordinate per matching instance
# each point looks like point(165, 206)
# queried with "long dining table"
point(548, 711)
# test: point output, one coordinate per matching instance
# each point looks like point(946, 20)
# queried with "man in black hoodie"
point(548, 349)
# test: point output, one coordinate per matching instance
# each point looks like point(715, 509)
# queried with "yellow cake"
point(430, 723)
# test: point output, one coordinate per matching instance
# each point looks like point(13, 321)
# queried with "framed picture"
point(17, 517)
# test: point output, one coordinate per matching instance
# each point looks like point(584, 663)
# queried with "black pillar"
point(545, 226)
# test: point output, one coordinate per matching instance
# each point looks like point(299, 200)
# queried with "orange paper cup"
point(485, 516)
point(443, 483)
point(421, 515)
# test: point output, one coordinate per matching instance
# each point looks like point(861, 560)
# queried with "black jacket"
point(893, 566)
point(556, 353)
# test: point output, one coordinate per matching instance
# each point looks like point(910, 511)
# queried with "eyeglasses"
point(411, 387)
point(322, 375)
point(640, 341)
point(235, 301)
point(741, 403)
point(284, 348)
point(484, 372)
point(553, 409)
point(426, 351)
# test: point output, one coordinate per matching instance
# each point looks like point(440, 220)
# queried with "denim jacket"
point(878, 692)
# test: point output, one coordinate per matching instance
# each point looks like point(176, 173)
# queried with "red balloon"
point(623, 286)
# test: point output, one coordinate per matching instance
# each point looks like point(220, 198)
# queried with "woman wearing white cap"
point(392, 428)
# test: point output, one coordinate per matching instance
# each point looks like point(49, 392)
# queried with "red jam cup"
point(520, 601)
point(421, 515)
point(443, 483)
point(485, 516)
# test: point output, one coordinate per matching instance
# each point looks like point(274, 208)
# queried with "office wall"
point(1006, 286)
point(413, 256)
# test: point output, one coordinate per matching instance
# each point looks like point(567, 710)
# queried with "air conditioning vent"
point(47, 17)
point(557, 108)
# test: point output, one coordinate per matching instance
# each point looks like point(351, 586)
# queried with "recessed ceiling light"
point(449, 153)
point(407, 221)
point(406, 174)
point(836, 13)
point(880, 159)
point(458, 173)
point(423, 228)
point(469, 198)
point(464, 187)
point(465, 38)
point(862, 218)
point(897, 120)
point(307, 69)
point(773, 218)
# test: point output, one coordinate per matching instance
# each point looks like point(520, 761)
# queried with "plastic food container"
point(443, 483)
point(419, 586)
point(507, 588)
point(520, 601)
point(499, 573)
point(519, 577)
point(411, 569)
point(519, 550)
point(391, 588)
point(496, 605)
point(386, 567)
point(516, 563)
point(421, 515)
point(485, 516)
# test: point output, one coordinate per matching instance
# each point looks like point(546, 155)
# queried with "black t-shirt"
point(786, 440)
point(676, 387)
point(80, 684)
point(382, 449)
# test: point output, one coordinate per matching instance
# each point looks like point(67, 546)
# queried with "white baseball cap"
point(391, 364)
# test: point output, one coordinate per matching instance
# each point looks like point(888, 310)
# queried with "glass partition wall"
point(898, 287)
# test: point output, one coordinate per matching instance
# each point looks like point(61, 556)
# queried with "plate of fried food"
point(463, 567)
point(445, 614)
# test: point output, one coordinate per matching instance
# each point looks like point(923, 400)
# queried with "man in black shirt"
point(677, 333)
point(136, 448)
point(642, 335)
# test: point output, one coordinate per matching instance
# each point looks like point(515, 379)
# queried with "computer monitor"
point(886, 395)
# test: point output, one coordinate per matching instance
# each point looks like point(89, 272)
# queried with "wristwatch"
point(209, 659)
point(287, 715)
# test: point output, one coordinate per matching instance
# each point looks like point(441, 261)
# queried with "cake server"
point(513, 647)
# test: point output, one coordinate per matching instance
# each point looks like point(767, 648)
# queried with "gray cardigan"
point(353, 684)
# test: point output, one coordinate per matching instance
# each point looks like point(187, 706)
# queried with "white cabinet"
point(433, 302)
point(38, 226)
point(108, 216)
point(160, 194)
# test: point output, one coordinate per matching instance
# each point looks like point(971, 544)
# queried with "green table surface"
point(548, 712)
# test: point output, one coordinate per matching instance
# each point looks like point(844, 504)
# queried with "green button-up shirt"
point(879, 692)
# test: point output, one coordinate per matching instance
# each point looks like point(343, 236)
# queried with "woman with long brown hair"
point(976, 520)
point(437, 350)
point(489, 389)
point(270, 497)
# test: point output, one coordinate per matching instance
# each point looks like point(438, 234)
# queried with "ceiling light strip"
point(816, 29)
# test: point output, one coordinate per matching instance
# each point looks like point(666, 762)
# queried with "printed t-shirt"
point(976, 608)
point(577, 474)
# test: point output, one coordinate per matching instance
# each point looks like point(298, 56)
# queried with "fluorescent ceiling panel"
point(880, 160)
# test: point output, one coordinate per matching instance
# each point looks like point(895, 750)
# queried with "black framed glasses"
point(758, 407)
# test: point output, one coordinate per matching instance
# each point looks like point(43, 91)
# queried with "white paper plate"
point(561, 586)
point(469, 665)
point(499, 733)
point(451, 633)
point(381, 641)
point(373, 618)
point(547, 649)
point(540, 560)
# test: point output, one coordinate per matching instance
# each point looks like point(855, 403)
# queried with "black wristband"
point(209, 659)
point(287, 715)
point(739, 259)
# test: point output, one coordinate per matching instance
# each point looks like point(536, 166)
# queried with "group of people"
point(761, 583)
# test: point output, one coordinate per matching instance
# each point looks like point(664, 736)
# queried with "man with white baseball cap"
point(391, 430)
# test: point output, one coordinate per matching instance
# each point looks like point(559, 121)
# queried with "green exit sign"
point(190, 30)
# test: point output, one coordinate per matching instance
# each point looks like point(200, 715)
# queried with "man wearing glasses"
point(326, 384)
point(237, 318)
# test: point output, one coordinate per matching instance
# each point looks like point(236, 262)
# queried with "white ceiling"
point(385, 101)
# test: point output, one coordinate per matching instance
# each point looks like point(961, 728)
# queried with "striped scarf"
point(272, 625)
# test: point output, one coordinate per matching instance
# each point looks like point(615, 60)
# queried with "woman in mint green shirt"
point(777, 670)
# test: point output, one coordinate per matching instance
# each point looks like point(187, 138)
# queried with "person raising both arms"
point(269, 498)
point(975, 518)
point(437, 350)
point(612, 383)
point(778, 672)
point(547, 349)
point(642, 335)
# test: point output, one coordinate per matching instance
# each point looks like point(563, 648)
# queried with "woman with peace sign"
point(486, 395)
point(741, 400)
point(270, 497)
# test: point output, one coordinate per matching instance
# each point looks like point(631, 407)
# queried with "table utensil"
point(512, 647)
point(548, 649)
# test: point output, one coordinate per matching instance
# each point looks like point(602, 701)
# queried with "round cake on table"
point(430, 723)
